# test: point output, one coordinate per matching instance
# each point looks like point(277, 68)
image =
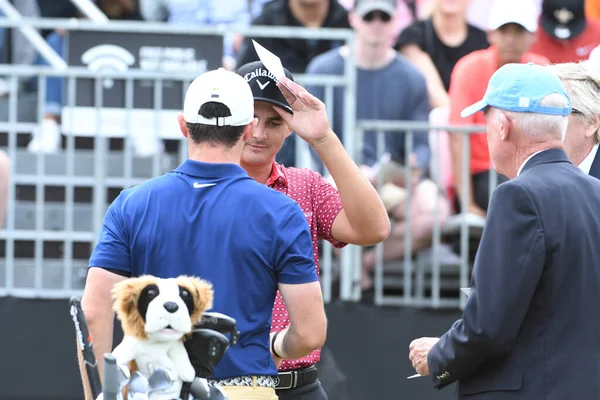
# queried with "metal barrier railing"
point(408, 297)
point(97, 173)
point(100, 173)
point(103, 171)
point(103, 178)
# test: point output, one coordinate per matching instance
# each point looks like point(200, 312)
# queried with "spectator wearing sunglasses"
point(390, 88)
point(583, 131)
point(406, 12)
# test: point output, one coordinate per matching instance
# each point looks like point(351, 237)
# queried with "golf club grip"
point(84, 341)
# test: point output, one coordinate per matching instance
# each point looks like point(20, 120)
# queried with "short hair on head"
point(213, 134)
point(540, 127)
point(583, 87)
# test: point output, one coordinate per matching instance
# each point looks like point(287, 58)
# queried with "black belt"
point(297, 378)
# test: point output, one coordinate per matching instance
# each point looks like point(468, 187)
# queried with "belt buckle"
point(293, 380)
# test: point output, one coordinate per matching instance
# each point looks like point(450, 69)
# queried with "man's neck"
point(502, 62)
point(526, 152)
point(260, 173)
point(309, 16)
point(450, 28)
point(373, 57)
point(214, 154)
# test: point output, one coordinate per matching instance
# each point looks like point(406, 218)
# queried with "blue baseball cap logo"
point(520, 88)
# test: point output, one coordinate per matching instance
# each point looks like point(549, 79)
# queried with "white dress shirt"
point(587, 162)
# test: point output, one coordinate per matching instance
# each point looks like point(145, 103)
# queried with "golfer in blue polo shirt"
point(208, 218)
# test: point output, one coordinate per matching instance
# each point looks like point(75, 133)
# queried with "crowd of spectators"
point(414, 58)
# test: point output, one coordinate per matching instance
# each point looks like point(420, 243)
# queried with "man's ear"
point(182, 125)
point(249, 130)
point(592, 129)
point(353, 19)
point(505, 123)
point(289, 132)
point(491, 36)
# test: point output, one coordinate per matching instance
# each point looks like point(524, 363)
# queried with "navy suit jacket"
point(595, 169)
point(531, 325)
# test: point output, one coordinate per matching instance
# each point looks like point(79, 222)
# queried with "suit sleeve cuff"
point(437, 371)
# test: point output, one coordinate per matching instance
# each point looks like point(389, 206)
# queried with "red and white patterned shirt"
point(321, 204)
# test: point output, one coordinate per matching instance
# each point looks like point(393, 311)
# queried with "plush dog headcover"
point(155, 315)
point(160, 309)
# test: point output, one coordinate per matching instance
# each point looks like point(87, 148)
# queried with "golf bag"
point(206, 345)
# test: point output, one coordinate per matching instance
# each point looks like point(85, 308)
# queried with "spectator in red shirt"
point(354, 215)
point(567, 35)
point(512, 27)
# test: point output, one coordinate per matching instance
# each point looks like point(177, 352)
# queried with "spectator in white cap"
point(512, 26)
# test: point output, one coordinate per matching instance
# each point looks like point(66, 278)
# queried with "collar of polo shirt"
point(210, 170)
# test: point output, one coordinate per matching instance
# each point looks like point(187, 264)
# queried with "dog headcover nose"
point(171, 306)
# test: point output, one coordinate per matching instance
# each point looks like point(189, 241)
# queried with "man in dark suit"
point(583, 133)
point(531, 327)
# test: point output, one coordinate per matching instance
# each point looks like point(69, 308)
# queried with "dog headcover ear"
point(201, 291)
point(126, 295)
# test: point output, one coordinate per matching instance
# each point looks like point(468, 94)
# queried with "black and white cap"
point(563, 19)
point(264, 84)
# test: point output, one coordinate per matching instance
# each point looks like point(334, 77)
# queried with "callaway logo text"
point(259, 72)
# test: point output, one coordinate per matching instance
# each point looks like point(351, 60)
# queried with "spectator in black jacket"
point(295, 54)
point(435, 45)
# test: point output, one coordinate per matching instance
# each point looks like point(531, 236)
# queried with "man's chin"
point(513, 57)
point(257, 158)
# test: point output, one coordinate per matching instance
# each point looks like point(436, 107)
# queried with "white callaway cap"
point(520, 12)
point(220, 86)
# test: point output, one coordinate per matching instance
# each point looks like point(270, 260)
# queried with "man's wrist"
point(276, 346)
point(324, 141)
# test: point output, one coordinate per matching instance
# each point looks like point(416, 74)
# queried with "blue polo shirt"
point(215, 222)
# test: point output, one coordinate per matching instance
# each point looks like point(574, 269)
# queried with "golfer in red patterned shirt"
point(353, 215)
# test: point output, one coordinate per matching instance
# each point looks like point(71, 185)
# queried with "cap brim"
point(529, 26)
point(375, 6)
point(275, 103)
point(472, 109)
